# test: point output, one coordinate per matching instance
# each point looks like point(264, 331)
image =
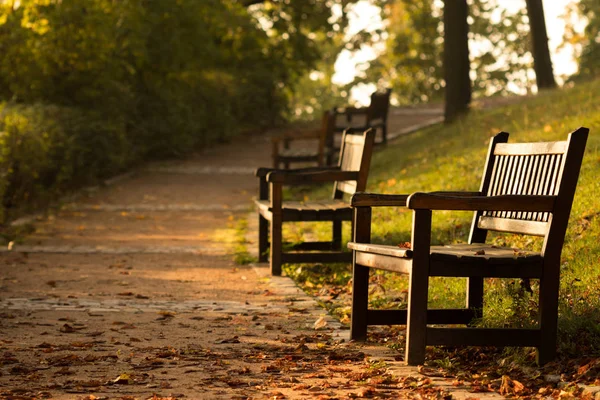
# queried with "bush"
point(47, 150)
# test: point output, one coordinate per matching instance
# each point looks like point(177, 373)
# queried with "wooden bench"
point(348, 176)
point(374, 116)
point(284, 153)
point(526, 188)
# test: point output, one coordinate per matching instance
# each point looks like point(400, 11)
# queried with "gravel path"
point(131, 292)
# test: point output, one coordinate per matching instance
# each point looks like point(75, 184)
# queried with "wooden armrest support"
point(315, 176)
point(435, 201)
point(362, 199)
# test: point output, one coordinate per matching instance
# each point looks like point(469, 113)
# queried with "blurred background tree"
point(586, 41)
point(90, 87)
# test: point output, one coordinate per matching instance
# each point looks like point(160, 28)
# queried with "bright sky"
point(366, 16)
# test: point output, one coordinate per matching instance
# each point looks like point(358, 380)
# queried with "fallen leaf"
point(123, 379)
point(320, 323)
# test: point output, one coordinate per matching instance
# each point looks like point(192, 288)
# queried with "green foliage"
point(503, 55)
point(92, 86)
point(412, 60)
point(47, 149)
point(586, 43)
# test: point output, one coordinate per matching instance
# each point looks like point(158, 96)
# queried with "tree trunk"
point(456, 58)
point(542, 63)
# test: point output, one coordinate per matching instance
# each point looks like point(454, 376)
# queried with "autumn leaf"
point(320, 323)
point(123, 379)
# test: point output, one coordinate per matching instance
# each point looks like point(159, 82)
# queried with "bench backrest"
point(355, 155)
point(380, 103)
point(544, 168)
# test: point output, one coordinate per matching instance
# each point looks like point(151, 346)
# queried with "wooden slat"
point(518, 186)
point(483, 269)
point(388, 263)
point(379, 200)
point(348, 187)
point(480, 251)
point(539, 186)
point(385, 250)
point(308, 211)
point(531, 181)
point(522, 181)
point(536, 228)
point(525, 149)
point(355, 139)
point(508, 180)
point(483, 337)
point(500, 203)
point(434, 316)
point(502, 167)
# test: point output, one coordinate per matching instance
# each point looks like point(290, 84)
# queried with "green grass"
point(451, 157)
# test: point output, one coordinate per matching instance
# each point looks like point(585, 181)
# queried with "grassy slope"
point(451, 158)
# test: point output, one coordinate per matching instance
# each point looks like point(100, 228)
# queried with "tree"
point(587, 42)
point(542, 63)
point(456, 59)
point(412, 61)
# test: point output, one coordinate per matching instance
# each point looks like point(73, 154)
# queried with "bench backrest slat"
point(355, 155)
point(527, 169)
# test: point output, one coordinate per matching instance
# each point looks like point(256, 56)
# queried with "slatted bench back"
point(530, 169)
point(355, 155)
point(380, 103)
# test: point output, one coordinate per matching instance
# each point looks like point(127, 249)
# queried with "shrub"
point(47, 150)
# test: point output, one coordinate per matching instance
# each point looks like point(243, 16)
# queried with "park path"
point(130, 291)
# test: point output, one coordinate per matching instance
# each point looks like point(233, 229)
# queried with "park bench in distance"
point(349, 176)
point(319, 153)
point(527, 188)
point(374, 116)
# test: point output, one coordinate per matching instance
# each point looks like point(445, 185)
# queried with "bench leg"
point(548, 318)
point(416, 324)
point(263, 238)
point(276, 244)
point(475, 295)
point(360, 302)
point(361, 230)
point(337, 235)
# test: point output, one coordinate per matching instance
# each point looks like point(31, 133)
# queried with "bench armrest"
point(362, 199)
point(315, 176)
point(437, 201)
